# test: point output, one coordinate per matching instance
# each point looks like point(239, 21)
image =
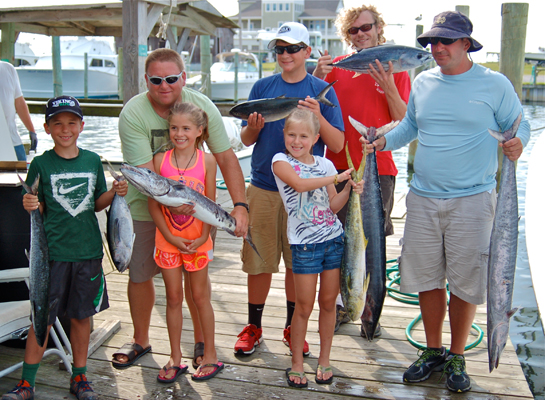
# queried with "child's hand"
point(256, 121)
point(182, 245)
point(311, 104)
point(197, 243)
point(344, 176)
point(30, 202)
point(184, 209)
point(357, 187)
point(120, 187)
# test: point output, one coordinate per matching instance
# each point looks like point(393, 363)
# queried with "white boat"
point(243, 153)
point(535, 218)
point(222, 75)
point(37, 80)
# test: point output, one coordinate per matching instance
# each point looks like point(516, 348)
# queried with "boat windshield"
point(230, 67)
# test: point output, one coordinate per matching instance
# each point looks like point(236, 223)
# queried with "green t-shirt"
point(68, 189)
point(142, 132)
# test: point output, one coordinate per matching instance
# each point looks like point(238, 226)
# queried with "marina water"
point(100, 134)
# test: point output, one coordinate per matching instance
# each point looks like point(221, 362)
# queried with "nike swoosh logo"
point(92, 279)
point(64, 190)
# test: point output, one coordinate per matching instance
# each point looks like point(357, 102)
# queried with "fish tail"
point(30, 189)
point(510, 133)
point(321, 96)
point(115, 175)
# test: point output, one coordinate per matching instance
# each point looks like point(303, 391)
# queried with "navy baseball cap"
point(60, 104)
point(450, 25)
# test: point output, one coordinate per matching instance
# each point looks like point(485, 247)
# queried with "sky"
point(401, 14)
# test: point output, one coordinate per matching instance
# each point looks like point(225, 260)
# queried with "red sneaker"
point(249, 339)
point(287, 341)
point(23, 391)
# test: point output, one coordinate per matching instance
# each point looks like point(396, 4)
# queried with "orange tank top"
point(185, 226)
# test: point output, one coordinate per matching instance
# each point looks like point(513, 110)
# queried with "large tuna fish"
point(403, 58)
point(503, 256)
point(119, 229)
point(174, 194)
point(373, 228)
point(277, 108)
point(353, 272)
point(39, 270)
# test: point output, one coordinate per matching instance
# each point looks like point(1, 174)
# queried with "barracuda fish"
point(373, 228)
point(353, 269)
point(39, 269)
point(503, 256)
point(173, 194)
point(403, 58)
point(275, 109)
point(119, 229)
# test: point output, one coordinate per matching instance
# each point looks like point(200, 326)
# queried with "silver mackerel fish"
point(503, 256)
point(277, 108)
point(373, 228)
point(119, 229)
point(39, 269)
point(403, 58)
point(174, 194)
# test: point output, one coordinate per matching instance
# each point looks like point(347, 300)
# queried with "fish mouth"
point(144, 180)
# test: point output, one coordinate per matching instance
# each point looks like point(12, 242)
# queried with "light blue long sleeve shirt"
point(450, 116)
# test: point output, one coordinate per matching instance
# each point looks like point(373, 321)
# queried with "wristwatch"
point(246, 206)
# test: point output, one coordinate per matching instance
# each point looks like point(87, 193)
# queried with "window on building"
point(280, 7)
point(268, 7)
point(280, 23)
point(274, 6)
point(287, 7)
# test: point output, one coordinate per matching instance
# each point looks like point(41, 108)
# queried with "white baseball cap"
point(292, 33)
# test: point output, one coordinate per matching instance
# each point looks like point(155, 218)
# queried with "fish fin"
point(133, 238)
point(512, 312)
point(321, 96)
point(350, 163)
point(362, 129)
point(383, 130)
point(30, 189)
point(281, 97)
point(27, 255)
point(510, 133)
point(356, 74)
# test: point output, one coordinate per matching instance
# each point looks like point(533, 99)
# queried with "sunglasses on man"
point(171, 79)
point(444, 41)
point(291, 49)
point(363, 28)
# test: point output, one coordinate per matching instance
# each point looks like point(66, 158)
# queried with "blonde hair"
point(195, 115)
point(305, 116)
point(347, 16)
point(164, 55)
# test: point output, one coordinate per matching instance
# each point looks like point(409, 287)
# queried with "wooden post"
point(120, 73)
point(135, 47)
point(56, 65)
point(513, 42)
point(463, 9)
point(7, 51)
point(206, 62)
point(235, 98)
point(85, 76)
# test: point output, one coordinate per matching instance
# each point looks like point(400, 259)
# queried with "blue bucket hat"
point(450, 25)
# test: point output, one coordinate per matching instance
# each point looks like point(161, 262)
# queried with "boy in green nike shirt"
point(72, 188)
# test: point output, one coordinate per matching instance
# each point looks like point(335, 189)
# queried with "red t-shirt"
point(364, 100)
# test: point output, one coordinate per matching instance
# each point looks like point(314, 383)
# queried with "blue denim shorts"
point(317, 257)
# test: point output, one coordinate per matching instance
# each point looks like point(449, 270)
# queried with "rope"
point(162, 33)
point(392, 274)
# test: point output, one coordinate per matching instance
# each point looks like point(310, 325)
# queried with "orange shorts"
point(191, 262)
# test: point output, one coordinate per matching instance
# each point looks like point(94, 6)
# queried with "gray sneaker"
point(429, 361)
point(457, 377)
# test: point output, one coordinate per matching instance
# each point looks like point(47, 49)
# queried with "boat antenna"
point(164, 25)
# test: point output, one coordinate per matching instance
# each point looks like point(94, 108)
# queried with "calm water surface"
point(526, 331)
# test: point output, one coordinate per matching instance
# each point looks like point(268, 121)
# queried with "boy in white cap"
point(267, 215)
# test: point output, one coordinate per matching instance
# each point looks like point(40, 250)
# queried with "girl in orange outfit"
point(183, 246)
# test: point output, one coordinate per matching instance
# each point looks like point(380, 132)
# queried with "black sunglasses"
point(363, 28)
point(171, 79)
point(445, 41)
point(291, 49)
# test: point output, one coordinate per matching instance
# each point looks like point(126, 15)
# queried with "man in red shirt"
point(374, 99)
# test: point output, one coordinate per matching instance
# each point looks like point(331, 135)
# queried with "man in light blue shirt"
point(451, 203)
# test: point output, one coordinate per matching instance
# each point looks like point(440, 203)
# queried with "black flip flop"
point(198, 351)
point(217, 368)
point(131, 350)
point(179, 371)
point(301, 375)
point(324, 370)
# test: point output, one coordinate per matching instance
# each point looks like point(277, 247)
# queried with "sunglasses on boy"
point(171, 79)
point(363, 28)
point(291, 49)
point(445, 41)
